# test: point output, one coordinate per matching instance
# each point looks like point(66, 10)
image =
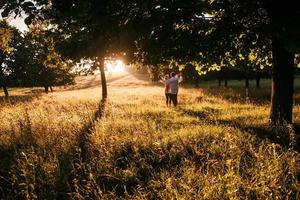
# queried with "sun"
point(114, 66)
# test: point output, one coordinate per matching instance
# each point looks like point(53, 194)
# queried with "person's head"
point(167, 76)
point(173, 74)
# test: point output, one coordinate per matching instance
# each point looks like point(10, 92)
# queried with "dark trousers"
point(174, 99)
point(168, 99)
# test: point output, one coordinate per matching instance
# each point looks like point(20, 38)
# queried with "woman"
point(167, 89)
point(173, 83)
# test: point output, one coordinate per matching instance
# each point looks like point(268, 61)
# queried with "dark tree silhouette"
point(220, 32)
point(203, 33)
point(10, 39)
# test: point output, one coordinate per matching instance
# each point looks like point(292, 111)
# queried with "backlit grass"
point(212, 146)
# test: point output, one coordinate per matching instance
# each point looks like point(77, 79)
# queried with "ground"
point(216, 144)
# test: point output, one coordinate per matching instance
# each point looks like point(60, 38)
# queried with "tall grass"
point(212, 146)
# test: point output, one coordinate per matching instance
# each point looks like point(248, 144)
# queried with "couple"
point(171, 87)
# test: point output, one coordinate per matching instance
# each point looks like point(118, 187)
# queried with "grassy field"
point(215, 145)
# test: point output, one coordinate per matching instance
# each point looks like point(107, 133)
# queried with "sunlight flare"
point(114, 66)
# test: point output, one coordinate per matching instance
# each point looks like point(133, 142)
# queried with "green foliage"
point(10, 40)
point(42, 65)
point(209, 33)
point(32, 60)
point(5, 36)
point(87, 29)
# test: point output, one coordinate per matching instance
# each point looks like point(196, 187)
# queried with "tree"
point(167, 31)
point(215, 28)
point(10, 40)
point(277, 23)
point(89, 28)
point(33, 61)
point(84, 28)
point(199, 32)
point(5, 37)
point(42, 65)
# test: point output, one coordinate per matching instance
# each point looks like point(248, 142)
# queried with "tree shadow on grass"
point(72, 163)
point(15, 99)
point(85, 133)
point(13, 156)
point(75, 164)
point(238, 94)
point(283, 135)
point(297, 136)
point(35, 91)
point(204, 113)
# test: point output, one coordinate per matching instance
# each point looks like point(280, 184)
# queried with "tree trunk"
point(103, 79)
point(51, 89)
point(247, 82)
point(219, 82)
point(46, 89)
point(257, 78)
point(247, 87)
point(5, 90)
point(225, 82)
point(282, 84)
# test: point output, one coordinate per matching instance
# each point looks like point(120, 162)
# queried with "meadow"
point(217, 144)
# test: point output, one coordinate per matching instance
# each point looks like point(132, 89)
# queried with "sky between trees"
point(17, 22)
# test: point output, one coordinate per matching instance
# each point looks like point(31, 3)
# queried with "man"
point(174, 85)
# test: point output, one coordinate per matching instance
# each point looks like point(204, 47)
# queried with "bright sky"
point(19, 23)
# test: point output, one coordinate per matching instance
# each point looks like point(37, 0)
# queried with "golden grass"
point(212, 146)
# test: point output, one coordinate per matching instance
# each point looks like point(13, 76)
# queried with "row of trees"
point(224, 74)
point(193, 77)
point(220, 34)
point(207, 34)
point(30, 59)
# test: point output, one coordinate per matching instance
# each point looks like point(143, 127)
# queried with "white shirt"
point(174, 83)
